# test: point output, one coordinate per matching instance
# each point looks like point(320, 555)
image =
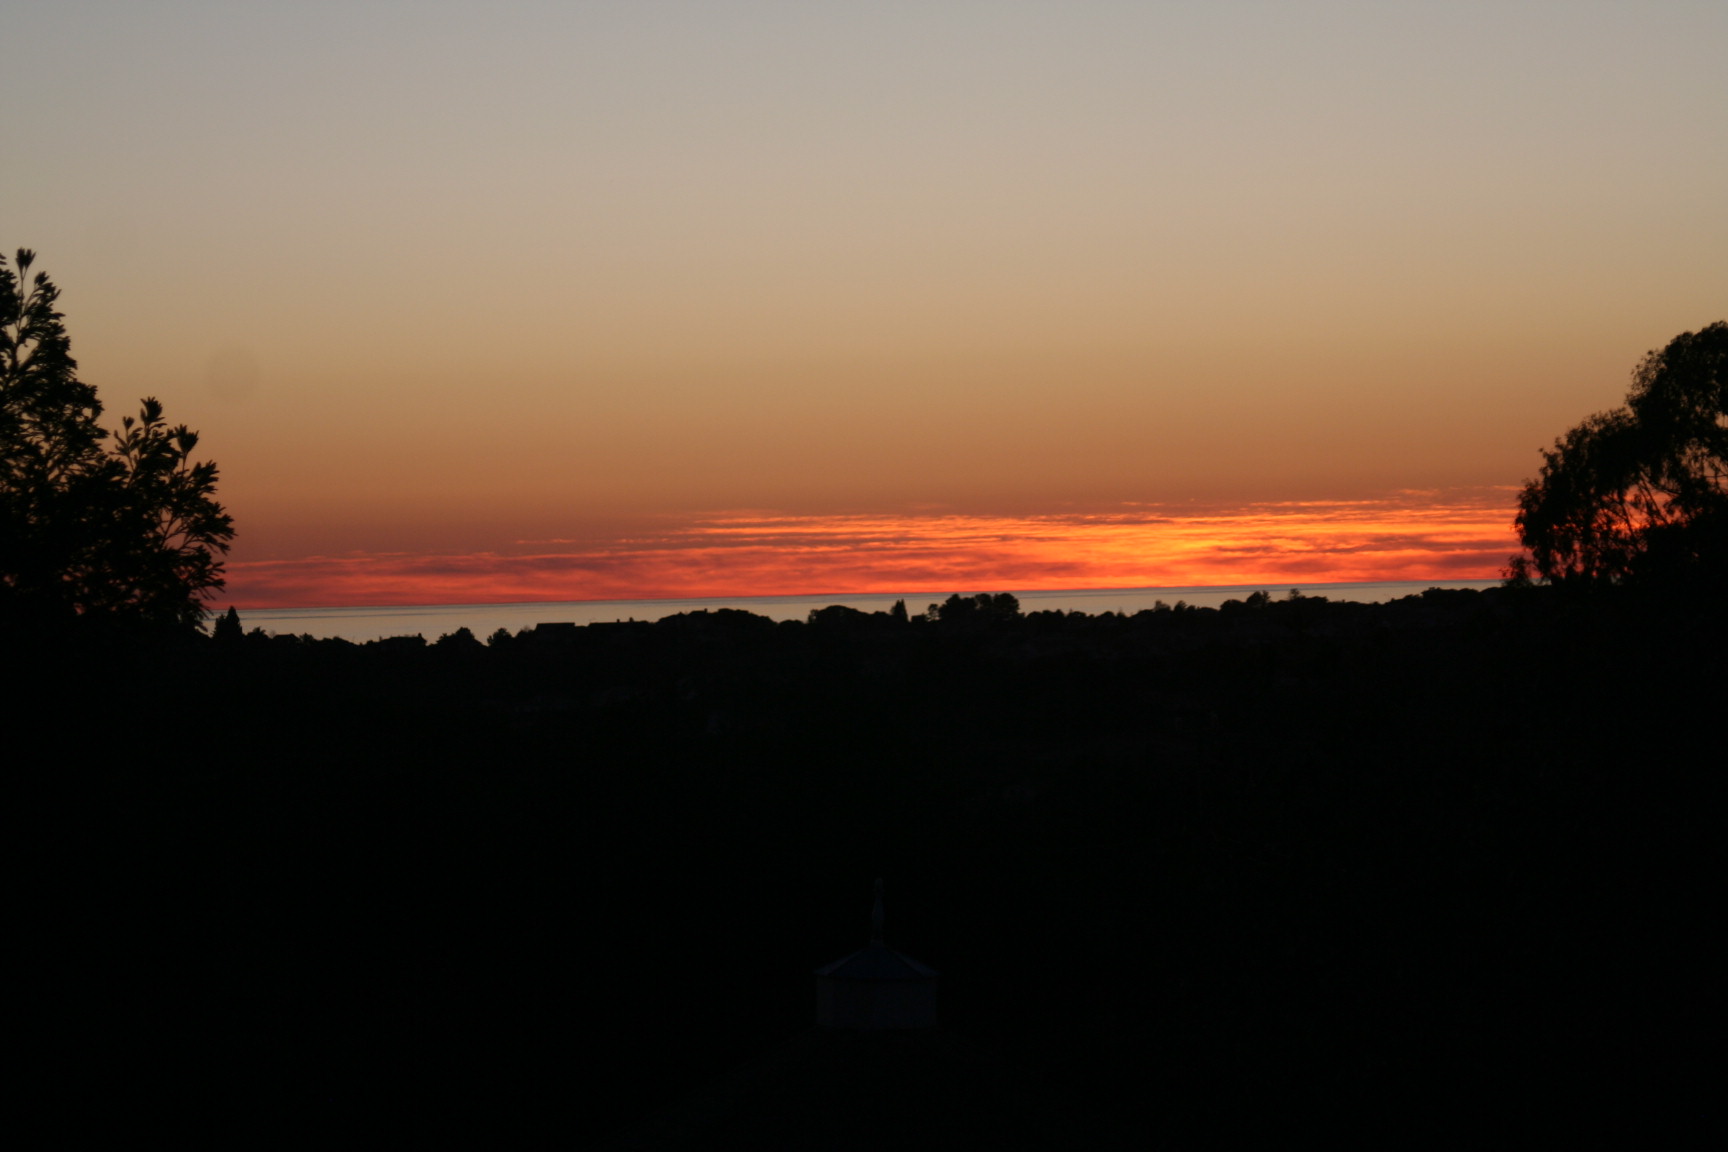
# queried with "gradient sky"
point(450, 284)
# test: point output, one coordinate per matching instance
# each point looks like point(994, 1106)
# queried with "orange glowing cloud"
point(1409, 536)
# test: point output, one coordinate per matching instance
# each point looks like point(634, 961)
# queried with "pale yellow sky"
point(444, 275)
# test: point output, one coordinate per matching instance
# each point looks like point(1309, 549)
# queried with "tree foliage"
point(122, 526)
point(984, 608)
point(1639, 493)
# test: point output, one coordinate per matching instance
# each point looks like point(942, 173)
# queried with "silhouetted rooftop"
point(877, 962)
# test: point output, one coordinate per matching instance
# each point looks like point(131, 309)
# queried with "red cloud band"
point(1413, 536)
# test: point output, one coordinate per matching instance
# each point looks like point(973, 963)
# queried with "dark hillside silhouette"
point(1203, 878)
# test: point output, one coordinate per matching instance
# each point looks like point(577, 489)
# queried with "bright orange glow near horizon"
point(1410, 536)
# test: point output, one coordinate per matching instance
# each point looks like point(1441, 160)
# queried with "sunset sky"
point(605, 300)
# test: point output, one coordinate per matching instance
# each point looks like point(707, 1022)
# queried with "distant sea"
point(435, 620)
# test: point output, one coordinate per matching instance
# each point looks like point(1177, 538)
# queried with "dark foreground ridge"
point(1191, 878)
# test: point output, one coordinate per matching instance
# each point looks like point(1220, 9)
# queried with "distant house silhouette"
point(876, 988)
point(875, 1073)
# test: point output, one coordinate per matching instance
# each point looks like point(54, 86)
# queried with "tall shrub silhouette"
point(119, 526)
point(1639, 493)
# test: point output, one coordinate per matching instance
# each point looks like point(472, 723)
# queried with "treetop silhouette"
point(126, 526)
point(1639, 493)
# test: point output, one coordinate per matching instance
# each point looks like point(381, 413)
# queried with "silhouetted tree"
point(228, 629)
point(1639, 492)
point(982, 608)
point(461, 640)
point(126, 529)
point(837, 616)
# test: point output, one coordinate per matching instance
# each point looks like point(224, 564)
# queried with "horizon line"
point(1252, 586)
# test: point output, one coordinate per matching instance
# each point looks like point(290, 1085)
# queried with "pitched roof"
point(877, 962)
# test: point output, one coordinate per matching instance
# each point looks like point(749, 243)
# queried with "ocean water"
point(435, 620)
